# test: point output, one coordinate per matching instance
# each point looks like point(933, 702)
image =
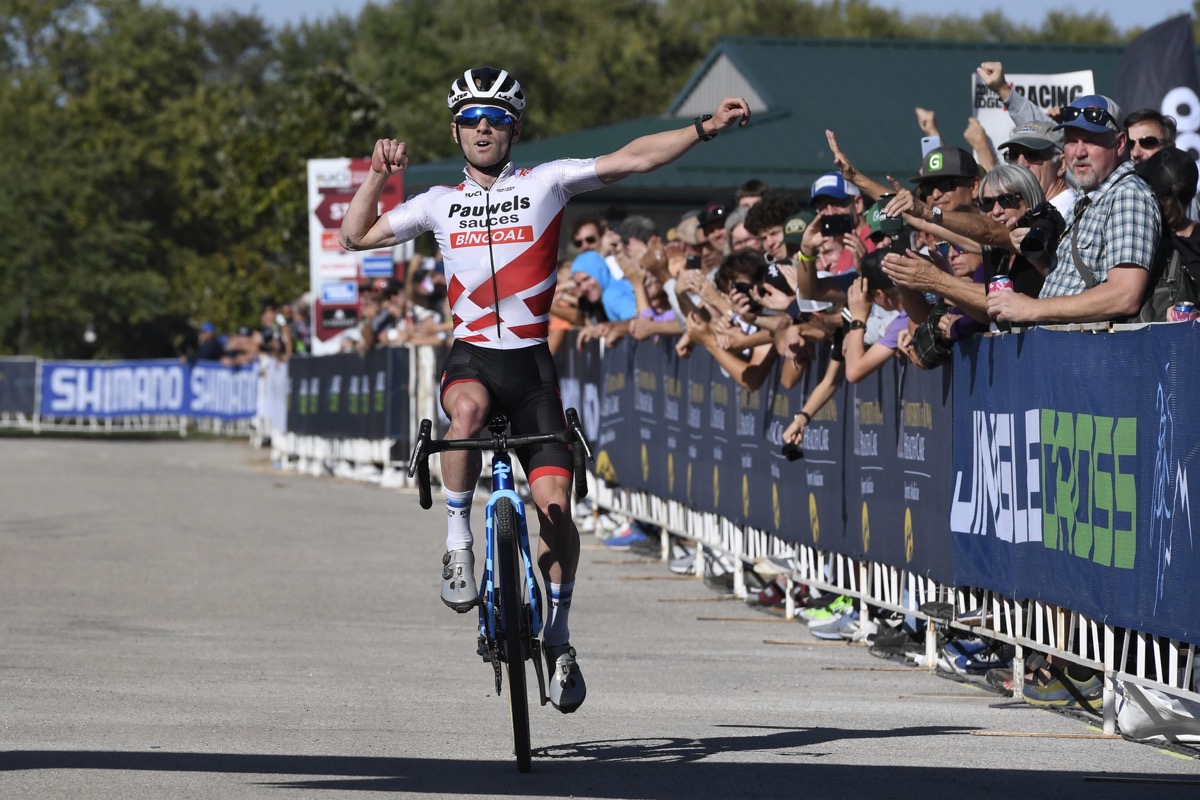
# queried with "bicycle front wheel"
point(514, 617)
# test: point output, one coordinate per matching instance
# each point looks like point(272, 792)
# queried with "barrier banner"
point(923, 450)
point(222, 392)
point(697, 474)
point(872, 528)
point(579, 381)
point(1070, 490)
point(346, 396)
point(719, 490)
point(616, 454)
point(755, 507)
point(675, 387)
point(784, 496)
point(649, 379)
point(819, 515)
point(109, 389)
point(18, 386)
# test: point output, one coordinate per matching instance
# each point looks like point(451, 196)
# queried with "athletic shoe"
point(1056, 694)
point(769, 597)
point(567, 689)
point(833, 629)
point(459, 590)
point(819, 616)
point(865, 630)
point(683, 565)
point(626, 535)
point(774, 566)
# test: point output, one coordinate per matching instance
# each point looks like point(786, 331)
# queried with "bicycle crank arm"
point(537, 667)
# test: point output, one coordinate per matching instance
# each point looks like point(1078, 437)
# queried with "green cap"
point(794, 227)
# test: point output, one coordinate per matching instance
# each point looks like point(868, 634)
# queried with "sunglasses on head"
point(1148, 142)
point(497, 117)
point(1008, 200)
point(1093, 114)
point(580, 242)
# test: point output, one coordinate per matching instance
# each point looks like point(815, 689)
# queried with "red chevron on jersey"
point(526, 271)
point(539, 304)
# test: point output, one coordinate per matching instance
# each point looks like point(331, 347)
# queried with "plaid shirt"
point(1120, 224)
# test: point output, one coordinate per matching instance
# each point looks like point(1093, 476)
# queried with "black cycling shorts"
point(523, 385)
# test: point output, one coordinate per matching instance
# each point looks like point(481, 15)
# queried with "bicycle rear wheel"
point(512, 611)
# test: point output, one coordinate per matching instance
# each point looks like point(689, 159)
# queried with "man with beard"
point(1104, 257)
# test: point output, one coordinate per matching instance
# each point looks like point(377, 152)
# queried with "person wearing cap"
point(1038, 146)
point(832, 196)
point(209, 347)
point(712, 222)
point(948, 178)
point(1103, 261)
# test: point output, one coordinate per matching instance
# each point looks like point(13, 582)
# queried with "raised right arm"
point(363, 227)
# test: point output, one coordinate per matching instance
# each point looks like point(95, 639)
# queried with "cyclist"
point(498, 231)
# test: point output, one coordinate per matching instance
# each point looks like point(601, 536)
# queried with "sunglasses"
point(1009, 200)
point(496, 117)
point(584, 240)
point(1093, 114)
point(1148, 142)
point(1013, 154)
point(945, 249)
point(943, 185)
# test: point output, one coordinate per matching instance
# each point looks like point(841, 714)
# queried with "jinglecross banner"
point(110, 389)
point(1070, 491)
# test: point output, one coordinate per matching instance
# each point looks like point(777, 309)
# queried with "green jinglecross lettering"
point(1089, 487)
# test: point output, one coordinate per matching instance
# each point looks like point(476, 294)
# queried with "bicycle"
point(510, 619)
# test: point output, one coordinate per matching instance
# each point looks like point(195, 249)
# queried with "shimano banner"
point(111, 389)
point(18, 386)
point(1070, 490)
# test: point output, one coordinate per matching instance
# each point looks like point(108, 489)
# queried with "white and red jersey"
point(513, 227)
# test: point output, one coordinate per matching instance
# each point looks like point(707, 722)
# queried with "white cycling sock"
point(556, 631)
point(458, 520)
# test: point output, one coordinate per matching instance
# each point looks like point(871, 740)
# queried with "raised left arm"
point(648, 153)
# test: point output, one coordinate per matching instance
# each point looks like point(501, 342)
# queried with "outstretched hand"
point(389, 157)
point(732, 111)
point(839, 158)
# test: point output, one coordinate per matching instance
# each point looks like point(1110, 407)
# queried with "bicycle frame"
point(503, 487)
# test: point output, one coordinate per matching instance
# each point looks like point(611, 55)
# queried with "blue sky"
point(1124, 13)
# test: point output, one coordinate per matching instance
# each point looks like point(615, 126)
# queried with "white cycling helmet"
point(486, 85)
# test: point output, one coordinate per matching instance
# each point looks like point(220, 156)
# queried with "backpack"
point(1171, 282)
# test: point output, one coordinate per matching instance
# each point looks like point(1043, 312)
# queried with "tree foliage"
point(154, 161)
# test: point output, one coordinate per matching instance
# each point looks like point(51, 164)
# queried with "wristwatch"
point(700, 120)
point(857, 325)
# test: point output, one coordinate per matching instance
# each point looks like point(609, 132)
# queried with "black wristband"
point(802, 413)
point(700, 120)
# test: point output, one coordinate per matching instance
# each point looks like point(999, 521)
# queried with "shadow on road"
point(792, 761)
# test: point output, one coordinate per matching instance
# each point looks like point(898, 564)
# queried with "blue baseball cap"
point(832, 184)
point(1094, 113)
point(208, 327)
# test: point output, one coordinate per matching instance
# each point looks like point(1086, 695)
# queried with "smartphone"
point(744, 288)
point(693, 262)
point(836, 224)
point(929, 143)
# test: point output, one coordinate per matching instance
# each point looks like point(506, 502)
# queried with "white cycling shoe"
point(459, 590)
point(567, 689)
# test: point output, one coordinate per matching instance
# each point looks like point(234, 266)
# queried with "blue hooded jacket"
point(617, 294)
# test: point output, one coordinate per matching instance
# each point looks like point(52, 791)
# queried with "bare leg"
point(558, 551)
point(466, 403)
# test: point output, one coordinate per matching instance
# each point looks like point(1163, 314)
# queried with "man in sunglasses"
point(1149, 131)
point(585, 234)
point(1104, 257)
point(499, 231)
point(1038, 146)
point(949, 178)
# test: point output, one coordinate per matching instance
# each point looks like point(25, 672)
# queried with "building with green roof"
point(863, 90)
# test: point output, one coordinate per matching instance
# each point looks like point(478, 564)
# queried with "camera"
point(744, 287)
point(1045, 225)
point(693, 262)
point(836, 224)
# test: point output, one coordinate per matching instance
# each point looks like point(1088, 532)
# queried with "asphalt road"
point(180, 621)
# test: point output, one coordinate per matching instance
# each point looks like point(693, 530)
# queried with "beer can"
point(1182, 312)
point(1000, 283)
